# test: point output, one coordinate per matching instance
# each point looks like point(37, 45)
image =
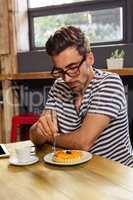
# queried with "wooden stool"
point(18, 120)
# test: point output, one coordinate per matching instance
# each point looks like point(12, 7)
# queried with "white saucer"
point(14, 161)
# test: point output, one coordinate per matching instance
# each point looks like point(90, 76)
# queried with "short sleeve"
point(109, 97)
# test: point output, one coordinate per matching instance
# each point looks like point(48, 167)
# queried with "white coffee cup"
point(23, 154)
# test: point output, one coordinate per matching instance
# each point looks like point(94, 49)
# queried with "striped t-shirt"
point(104, 95)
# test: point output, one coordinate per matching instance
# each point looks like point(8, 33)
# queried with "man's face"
point(76, 65)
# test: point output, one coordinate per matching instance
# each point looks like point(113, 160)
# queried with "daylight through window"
point(100, 25)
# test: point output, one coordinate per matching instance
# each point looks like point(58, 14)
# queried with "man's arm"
point(83, 138)
point(86, 136)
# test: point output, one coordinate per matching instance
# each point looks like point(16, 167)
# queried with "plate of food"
point(67, 157)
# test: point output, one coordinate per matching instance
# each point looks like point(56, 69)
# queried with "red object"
point(18, 120)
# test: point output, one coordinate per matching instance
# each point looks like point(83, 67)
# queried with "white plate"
point(85, 157)
point(15, 161)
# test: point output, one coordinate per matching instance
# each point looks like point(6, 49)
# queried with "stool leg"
point(13, 131)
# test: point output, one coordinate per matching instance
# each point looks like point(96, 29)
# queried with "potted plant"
point(116, 60)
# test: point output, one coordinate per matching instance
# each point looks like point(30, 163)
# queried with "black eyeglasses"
point(71, 71)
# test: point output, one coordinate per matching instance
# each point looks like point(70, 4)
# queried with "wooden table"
point(98, 179)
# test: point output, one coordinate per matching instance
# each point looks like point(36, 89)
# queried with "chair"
point(18, 120)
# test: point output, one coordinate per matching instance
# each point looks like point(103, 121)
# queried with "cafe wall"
point(35, 61)
point(38, 61)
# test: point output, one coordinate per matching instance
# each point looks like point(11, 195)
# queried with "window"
point(102, 21)
point(42, 3)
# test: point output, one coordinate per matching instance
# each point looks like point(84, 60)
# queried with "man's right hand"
point(45, 129)
point(47, 124)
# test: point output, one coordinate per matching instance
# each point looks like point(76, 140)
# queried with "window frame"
point(77, 7)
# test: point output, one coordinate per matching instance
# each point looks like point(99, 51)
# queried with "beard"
point(77, 88)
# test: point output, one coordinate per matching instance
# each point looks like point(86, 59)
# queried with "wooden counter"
point(97, 179)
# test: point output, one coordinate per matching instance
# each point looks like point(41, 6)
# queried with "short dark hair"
point(65, 37)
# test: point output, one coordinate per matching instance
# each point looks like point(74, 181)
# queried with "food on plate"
point(67, 156)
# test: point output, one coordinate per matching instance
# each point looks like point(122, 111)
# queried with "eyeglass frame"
point(63, 72)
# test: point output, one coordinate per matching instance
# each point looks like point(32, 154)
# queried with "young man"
point(86, 107)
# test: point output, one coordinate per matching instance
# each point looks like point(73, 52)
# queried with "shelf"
point(3, 77)
point(31, 75)
point(122, 72)
point(47, 75)
point(26, 76)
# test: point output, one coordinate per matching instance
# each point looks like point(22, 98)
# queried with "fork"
point(54, 145)
point(53, 114)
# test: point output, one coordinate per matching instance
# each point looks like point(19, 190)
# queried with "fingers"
point(47, 124)
point(39, 128)
point(44, 126)
point(50, 123)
